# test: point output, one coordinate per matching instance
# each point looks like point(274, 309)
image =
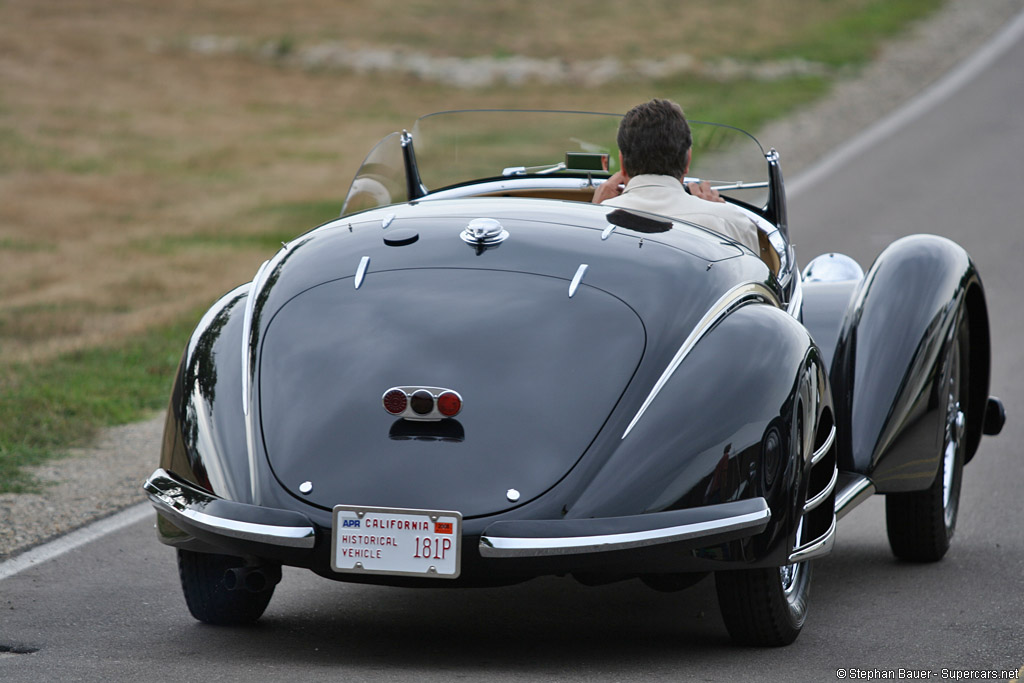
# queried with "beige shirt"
point(664, 195)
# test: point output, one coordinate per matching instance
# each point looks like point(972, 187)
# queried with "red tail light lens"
point(449, 404)
point(395, 401)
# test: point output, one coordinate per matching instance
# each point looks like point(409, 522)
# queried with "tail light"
point(449, 404)
point(422, 403)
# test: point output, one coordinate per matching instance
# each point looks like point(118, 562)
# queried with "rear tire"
point(920, 524)
point(207, 595)
point(764, 607)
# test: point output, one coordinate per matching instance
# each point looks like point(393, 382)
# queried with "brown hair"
point(654, 137)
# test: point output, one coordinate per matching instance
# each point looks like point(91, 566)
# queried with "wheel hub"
point(789, 575)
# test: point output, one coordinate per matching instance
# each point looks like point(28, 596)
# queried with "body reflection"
point(449, 431)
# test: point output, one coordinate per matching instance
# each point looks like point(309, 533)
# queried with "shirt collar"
point(653, 180)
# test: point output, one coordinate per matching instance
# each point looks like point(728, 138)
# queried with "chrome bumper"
point(201, 513)
point(703, 526)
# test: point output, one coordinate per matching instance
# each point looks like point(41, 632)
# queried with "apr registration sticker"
point(396, 541)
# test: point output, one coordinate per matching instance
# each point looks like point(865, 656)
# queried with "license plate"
point(396, 541)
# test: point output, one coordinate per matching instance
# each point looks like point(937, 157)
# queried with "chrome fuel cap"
point(484, 231)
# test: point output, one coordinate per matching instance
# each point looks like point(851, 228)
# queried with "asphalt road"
point(112, 610)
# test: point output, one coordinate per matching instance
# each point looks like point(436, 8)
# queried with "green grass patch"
point(14, 244)
point(48, 408)
point(18, 153)
point(744, 104)
point(853, 38)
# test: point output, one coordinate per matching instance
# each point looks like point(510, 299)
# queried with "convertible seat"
point(768, 253)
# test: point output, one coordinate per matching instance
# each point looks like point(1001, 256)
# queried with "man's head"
point(654, 137)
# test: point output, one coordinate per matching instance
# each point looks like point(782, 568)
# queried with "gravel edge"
point(96, 482)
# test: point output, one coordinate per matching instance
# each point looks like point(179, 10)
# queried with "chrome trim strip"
point(796, 303)
point(250, 307)
point(361, 271)
point(820, 498)
point(250, 448)
point(821, 452)
point(737, 185)
point(509, 184)
point(248, 366)
point(577, 278)
point(737, 296)
point(491, 546)
point(189, 501)
point(819, 548)
point(852, 493)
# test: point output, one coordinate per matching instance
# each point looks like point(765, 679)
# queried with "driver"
point(654, 156)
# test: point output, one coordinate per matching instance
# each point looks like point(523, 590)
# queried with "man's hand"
point(703, 190)
point(610, 188)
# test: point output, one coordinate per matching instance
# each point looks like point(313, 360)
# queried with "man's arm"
point(703, 190)
point(610, 188)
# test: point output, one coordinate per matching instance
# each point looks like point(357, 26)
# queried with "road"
point(111, 609)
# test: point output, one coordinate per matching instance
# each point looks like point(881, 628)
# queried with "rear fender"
point(888, 359)
point(204, 435)
point(700, 441)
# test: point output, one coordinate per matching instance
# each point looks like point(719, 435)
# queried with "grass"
point(14, 245)
point(48, 407)
point(744, 104)
point(271, 224)
point(126, 207)
point(852, 39)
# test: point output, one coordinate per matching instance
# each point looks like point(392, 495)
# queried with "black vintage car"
point(476, 376)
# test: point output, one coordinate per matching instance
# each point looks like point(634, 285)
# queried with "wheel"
point(920, 524)
point(764, 607)
point(208, 596)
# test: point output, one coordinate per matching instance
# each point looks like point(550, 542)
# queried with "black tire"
point(764, 607)
point(920, 524)
point(207, 595)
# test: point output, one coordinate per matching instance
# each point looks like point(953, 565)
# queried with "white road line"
point(79, 537)
point(926, 101)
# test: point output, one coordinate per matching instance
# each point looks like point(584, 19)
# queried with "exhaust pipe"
point(252, 578)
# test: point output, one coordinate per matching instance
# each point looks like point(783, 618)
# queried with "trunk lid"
point(539, 373)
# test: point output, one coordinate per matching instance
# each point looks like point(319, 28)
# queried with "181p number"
point(432, 548)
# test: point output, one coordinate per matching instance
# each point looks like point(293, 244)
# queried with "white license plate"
point(396, 541)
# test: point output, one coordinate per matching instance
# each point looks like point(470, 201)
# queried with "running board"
point(851, 490)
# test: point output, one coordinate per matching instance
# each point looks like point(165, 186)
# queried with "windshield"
point(458, 147)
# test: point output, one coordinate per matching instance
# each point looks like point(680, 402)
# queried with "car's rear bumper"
point(248, 529)
point(695, 527)
point(193, 518)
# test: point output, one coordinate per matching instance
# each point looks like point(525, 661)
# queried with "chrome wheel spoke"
point(954, 439)
point(789, 575)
